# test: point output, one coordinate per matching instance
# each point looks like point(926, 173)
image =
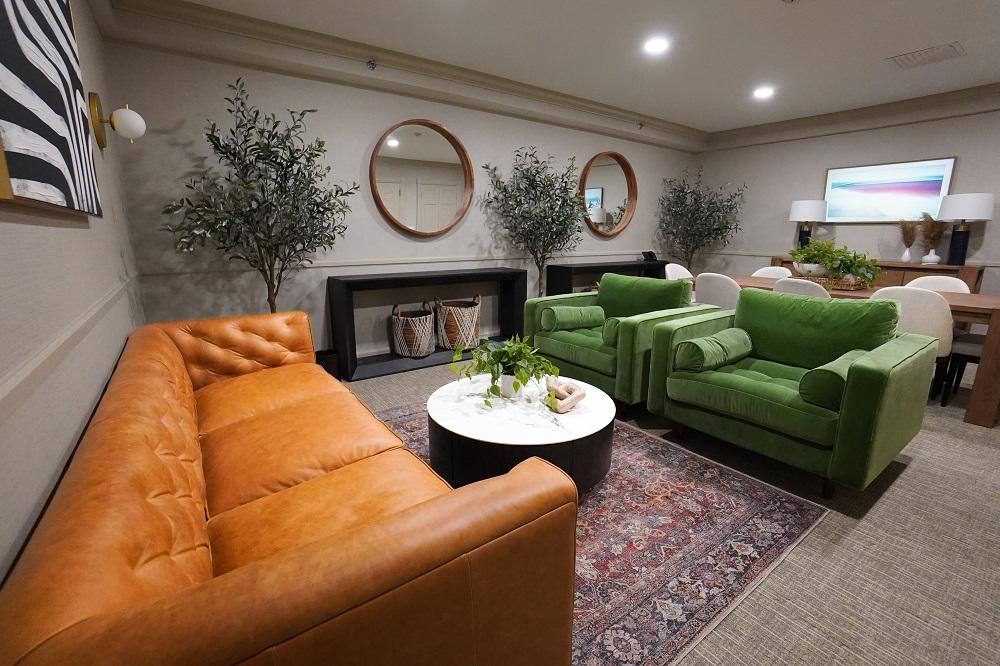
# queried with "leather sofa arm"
point(666, 337)
point(533, 308)
point(215, 349)
point(635, 341)
point(883, 407)
point(484, 575)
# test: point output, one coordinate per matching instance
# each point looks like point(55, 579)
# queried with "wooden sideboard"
point(898, 273)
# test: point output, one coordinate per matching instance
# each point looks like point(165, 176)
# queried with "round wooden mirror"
point(608, 186)
point(421, 177)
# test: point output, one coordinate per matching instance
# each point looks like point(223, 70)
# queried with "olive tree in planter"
point(539, 208)
point(693, 216)
point(271, 208)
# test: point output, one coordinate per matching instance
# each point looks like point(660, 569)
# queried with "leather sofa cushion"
point(824, 386)
point(231, 400)
point(809, 332)
point(284, 447)
point(363, 492)
point(627, 295)
point(584, 347)
point(758, 391)
point(713, 351)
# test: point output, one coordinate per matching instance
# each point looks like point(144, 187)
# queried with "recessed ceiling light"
point(656, 45)
point(764, 92)
point(392, 143)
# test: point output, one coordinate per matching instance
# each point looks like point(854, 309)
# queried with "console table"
point(898, 273)
point(559, 277)
point(512, 290)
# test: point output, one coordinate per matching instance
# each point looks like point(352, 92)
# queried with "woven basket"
point(831, 283)
point(458, 323)
point(413, 331)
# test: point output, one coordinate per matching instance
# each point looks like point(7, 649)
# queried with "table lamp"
point(805, 212)
point(962, 209)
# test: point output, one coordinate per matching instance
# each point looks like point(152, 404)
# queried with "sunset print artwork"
point(887, 192)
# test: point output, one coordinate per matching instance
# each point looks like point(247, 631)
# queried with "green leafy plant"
point(271, 207)
point(515, 358)
point(693, 216)
point(814, 252)
point(839, 261)
point(539, 208)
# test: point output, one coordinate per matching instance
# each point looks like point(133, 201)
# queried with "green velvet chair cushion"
point(627, 295)
point(809, 332)
point(610, 331)
point(758, 391)
point(713, 351)
point(824, 386)
point(568, 317)
point(584, 347)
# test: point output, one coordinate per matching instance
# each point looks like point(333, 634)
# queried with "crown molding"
point(343, 61)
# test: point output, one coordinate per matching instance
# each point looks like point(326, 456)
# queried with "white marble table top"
point(525, 420)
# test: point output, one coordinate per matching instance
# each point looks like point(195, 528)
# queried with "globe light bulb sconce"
point(125, 122)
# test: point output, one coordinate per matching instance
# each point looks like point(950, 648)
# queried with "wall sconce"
point(125, 122)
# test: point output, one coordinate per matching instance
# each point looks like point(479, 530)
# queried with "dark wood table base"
point(460, 460)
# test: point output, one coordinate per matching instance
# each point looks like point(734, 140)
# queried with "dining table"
point(984, 403)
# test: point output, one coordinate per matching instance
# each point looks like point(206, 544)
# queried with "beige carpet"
point(907, 572)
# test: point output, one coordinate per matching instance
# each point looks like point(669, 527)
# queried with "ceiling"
point(821, 56)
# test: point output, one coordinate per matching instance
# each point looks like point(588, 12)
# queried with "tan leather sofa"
point(231, 502)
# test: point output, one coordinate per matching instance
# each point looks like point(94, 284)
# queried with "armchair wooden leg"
point(827, 489)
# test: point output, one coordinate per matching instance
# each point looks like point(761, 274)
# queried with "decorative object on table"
point(887, 192)
point(125, 122)
point(908, 234)
point(612, 174)
point(538, 208)
point(510, 365)
point(844, 268)
point(931, 232)
point(272, 208)
point(693, 216)
point(458, 323)
point(566, 394)
point(413, 331)
point(40, 69)
point(961, 209)
point(805, 213)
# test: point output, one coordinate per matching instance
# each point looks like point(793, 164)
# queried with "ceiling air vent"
point(928, 55)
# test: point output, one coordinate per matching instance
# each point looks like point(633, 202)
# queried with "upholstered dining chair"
point(678, 272)
point(776, 272)
point(940, 283)
point(800, 287)
point(718, 289)
point(924, 312)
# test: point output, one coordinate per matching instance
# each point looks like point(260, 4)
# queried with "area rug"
point(666, 546)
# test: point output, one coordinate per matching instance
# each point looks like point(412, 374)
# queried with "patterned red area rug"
point(666, 546)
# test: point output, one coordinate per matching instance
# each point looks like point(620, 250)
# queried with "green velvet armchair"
point(827, 386)
point(604, 337)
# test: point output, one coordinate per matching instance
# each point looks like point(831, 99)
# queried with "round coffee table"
point(470, 441)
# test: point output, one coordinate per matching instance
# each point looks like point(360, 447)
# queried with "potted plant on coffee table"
point(511, 365)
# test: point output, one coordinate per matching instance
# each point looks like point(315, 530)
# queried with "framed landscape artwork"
point(45, 151)
point(594, 197)
point(887, 192)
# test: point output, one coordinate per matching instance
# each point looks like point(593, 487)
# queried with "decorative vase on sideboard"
point(931, 257)
point(906, 256)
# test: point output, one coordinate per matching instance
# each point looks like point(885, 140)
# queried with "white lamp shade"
point(977, 207)
point(128, 124)
point(808, 210)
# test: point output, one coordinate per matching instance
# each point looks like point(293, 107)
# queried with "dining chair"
point(940, 283)
point(718, 289)
point(966, 348)
point(925, 312)
point(678, 272)
point(801, 287)
point(776, 272)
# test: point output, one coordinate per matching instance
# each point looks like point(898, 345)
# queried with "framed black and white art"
point(46, 156)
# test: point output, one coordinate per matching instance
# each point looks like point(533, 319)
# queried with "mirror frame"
point(633, 192)
point(463, 157)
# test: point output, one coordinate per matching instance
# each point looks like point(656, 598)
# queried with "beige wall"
point(778, 173)
point(186, 91)
point(68, 303)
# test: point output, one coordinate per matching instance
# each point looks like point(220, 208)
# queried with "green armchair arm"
point(883, 407)
point(533, 308)
point(666, 337)
point(635, 341)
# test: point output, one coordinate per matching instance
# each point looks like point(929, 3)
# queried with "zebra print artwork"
point(44, 124)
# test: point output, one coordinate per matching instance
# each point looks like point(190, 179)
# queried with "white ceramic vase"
point(507, 387)
point(810, 270)
point(931, 258)
point(906, 258)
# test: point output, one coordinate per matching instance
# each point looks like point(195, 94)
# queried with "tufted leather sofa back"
point(215, 349)
point(128, 520)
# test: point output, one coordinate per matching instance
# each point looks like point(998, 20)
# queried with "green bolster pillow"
point(714, 351)
point(566, 317)
point(824, 386)
point(610, 331)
